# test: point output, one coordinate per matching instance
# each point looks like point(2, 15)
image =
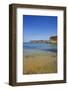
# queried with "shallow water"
point(39, 48)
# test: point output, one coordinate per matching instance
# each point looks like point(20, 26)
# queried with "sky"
point(39, 27)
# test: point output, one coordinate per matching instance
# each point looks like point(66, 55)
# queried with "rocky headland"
point(52, 39)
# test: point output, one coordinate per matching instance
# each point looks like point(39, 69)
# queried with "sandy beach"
point(40, 63)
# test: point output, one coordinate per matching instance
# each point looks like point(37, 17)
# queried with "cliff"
point(52, 39)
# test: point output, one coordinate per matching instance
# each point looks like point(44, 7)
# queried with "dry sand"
point(40, 64)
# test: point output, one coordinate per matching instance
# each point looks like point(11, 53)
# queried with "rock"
point(52, 39)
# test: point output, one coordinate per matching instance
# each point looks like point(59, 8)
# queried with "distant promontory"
point(52, 39)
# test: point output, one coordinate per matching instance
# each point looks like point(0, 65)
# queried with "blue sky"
point(39, 27)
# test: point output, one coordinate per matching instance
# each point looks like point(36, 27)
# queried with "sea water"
point(30, 48)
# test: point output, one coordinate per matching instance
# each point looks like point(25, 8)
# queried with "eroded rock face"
point(52, 39)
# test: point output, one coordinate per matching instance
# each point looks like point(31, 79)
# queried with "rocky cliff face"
point(52, 39)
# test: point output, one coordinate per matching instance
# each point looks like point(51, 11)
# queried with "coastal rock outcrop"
point(52, 39)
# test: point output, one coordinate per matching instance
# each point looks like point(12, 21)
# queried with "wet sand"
point(40, 63)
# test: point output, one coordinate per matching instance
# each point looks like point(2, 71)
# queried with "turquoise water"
point(39, 47)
